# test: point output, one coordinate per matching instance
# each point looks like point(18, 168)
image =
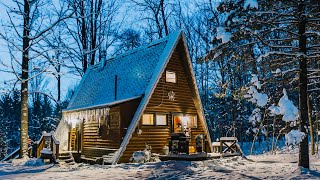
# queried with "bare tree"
point(35, 26)
point(92, 30)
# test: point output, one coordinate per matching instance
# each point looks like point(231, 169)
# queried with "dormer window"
point(171, 77)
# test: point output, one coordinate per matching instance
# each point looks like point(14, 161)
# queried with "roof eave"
point(102, 105)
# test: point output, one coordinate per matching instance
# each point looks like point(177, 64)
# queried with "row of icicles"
point(74, 118)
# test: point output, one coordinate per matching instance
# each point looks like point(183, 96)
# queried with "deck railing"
point(48, 141)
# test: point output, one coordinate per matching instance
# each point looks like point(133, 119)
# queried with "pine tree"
point(283, 33)
point(3, 139)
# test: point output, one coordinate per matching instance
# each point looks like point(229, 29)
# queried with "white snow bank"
point(250, 4)
point(141, 156)
point(223, 34)
point(27, 162)
point(294, 137)
point(280, 166)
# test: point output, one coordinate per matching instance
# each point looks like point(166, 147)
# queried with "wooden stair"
point(66, 158)
point(108, 159)
point(96, 155)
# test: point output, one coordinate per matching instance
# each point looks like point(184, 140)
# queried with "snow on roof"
point(133, 69)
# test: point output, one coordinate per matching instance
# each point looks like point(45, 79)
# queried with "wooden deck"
point(184, 157)
point(218, 155)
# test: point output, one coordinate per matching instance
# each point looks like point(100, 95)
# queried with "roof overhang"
point(113, 103)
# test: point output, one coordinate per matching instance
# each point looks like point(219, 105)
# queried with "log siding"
point(157, 136)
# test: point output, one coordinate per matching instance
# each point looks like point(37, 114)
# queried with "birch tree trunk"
point(24, 84)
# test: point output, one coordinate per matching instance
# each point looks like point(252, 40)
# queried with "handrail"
point(54, 144)
point(14, 154)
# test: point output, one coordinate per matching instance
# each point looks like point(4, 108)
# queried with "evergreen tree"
point(3, 140)
point(282, 33)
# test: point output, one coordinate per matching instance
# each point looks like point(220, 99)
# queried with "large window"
point(171, 77)
point(184, 121)
point(154, 119)
point(147, 119)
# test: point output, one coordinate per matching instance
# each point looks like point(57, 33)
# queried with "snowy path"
point(280, 166)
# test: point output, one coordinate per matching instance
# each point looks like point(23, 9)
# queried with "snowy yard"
point(283, 165)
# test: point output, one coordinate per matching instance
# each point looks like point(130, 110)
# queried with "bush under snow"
point(294, 137)
point(141, 156)
point(260, 99)
point(287, 108)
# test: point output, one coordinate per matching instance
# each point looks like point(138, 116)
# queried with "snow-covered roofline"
point(103, 105)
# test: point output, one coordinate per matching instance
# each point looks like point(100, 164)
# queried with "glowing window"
point(171, 77)
point(181, 122)
point(147, 119)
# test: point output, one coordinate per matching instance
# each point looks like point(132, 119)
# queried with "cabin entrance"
point(75, 135)
point(184, 123)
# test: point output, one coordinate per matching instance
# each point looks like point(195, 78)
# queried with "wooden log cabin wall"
point(143, 91)
point(104, 134)
point(183, 103)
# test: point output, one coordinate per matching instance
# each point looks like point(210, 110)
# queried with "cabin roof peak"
point(101, 86)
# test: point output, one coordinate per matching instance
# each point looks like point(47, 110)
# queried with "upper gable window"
point(171, 77)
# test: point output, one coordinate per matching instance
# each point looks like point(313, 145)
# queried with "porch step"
point(104, 159)
point(108, 159)
point(66, 158)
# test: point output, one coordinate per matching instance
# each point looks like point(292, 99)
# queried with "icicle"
point(91, 115)
point(86, 120)
point(99, 117)
point(95, 115)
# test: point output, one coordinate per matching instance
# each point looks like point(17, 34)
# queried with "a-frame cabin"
point(140, 97)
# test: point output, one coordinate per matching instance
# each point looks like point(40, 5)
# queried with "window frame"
point(153, 119)
point(175, 76)
point(154, 115)
point(183, 114)
point(155, 122)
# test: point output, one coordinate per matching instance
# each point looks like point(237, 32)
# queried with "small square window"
point(147, 119)
point(171, 77)
point(161, 119)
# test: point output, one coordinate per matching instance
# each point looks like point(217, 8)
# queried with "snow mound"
point(141, 156)
point(294, 137)
point(27, 162)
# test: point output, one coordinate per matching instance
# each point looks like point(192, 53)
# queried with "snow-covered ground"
point(283, 165)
